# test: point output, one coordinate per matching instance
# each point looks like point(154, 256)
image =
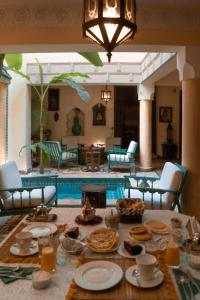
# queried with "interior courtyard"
point(99, 149)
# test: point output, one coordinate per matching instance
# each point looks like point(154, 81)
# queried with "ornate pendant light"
point(106, 95)
point(109, 22)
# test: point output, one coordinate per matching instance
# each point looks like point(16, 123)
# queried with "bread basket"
point(130, 210)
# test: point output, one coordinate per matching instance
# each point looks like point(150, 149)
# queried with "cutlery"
point(136, 275)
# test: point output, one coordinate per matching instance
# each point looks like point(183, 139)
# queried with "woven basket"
point(128, 210)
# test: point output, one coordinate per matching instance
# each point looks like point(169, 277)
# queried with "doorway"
point(126, 114)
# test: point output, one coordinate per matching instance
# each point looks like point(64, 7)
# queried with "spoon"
point(136, 275)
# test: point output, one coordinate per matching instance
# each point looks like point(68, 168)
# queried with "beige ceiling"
point(48, 22)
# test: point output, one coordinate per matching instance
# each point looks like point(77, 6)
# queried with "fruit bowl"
point(130, 210)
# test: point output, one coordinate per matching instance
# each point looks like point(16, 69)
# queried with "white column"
point(189, 71)
point(145, 96)
point(146, 134)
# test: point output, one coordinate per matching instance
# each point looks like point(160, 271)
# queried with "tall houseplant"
point(14, 62)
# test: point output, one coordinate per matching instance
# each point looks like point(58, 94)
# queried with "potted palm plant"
point(14, 63)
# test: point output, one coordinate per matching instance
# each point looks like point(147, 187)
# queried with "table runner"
point(124, 290)
point(7, 257)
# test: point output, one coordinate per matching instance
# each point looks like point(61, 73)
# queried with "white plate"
point(123, 252)
point(98, 275)
point(41, 229)
point(158, 279)
point(14, 249)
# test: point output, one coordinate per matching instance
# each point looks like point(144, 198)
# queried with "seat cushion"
point(36, 198)
point(118, 158)
point(9, 178)
point(132, 148)
point(69, 155)
point(171, 178)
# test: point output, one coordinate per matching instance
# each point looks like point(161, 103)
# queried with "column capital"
point(188, 62)
point(146, 91)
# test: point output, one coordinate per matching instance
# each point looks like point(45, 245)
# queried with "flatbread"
point(155, 224)
point(102, 239)
point(143, 236)
point(137, 229)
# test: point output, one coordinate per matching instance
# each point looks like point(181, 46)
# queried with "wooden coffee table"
point(93, 159)
point(84, 150)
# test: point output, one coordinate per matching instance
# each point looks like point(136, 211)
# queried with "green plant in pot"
point(14, 63)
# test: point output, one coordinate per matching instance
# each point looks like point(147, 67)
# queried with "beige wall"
point(167, 96)
point(69, 100)
point(3, 94)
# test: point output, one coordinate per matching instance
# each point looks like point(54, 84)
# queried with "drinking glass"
point(112, 218)
point(172, 256)
point(48, 259)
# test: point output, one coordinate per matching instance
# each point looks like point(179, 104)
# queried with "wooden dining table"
point(61, 279)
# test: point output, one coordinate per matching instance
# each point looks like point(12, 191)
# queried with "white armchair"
point(166, 193)
point(18, 198)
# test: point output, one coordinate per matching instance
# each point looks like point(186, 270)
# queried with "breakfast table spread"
point(117, 261)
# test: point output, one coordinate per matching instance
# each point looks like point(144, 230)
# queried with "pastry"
point(72, 232)
point(137, 229)
point(132, 248)
point(143, 236)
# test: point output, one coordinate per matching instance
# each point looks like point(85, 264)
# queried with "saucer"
point(123, 252)
point(138, 282)
point(14, 249)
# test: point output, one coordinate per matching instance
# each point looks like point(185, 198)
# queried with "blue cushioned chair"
point(61, 156)
point(122, 157)
point(159, 192)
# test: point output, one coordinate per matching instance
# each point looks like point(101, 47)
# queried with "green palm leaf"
point(93, 58)
point(62, 77)
point(14, 61)
point(79, 89)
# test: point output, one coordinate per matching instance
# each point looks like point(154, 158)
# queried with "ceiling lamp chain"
point(109, 23)
point(106, 95)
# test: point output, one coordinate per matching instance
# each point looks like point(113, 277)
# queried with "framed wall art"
point(165, 114)
point(53, 99)
point(99, 114)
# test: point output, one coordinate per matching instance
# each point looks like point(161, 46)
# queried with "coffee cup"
point(24, 240)
point(147, 266)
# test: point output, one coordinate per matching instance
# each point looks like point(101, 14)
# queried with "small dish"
point(41, 229)
point(41, 279)
point(71, 246)
point(123, 252)
point(138, 282)
point(15, 249)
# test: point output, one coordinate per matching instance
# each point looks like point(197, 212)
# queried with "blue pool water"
point(110, 194)
point(70, 188)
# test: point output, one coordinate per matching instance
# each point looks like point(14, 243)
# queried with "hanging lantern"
point(106, 95)
point(109, 22)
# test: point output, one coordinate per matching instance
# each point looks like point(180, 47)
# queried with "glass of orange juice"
point(48, 259)
point(172, 256)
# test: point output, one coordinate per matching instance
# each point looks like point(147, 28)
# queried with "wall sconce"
point(109, 23)
point(106, 95)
